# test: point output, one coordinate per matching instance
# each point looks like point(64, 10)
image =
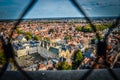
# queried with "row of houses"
point(45, 49)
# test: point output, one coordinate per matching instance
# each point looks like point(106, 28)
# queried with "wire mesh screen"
point(103, 49)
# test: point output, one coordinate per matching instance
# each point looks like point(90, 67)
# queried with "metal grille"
point(101, 44)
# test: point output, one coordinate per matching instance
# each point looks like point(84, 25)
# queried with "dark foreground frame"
point(91, 74)
point(97, 74)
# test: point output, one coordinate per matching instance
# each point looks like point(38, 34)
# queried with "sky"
point(11, 9)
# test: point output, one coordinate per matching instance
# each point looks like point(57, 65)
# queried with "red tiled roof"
point(41, 66)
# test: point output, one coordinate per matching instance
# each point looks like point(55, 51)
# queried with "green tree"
point(30, 22)
point(116, 32)
point(94, 39)
point(29, 33)
point(19, 31)
point(78, 55)
point(36, 38)
point(78, 28)
point(2, 57)
point(46, 39)
point(28, 37)
point(77, 58)
point(67, 37)
point(87, 28)
point(63, 66)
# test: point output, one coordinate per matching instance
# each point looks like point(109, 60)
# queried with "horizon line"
point(60, 18)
